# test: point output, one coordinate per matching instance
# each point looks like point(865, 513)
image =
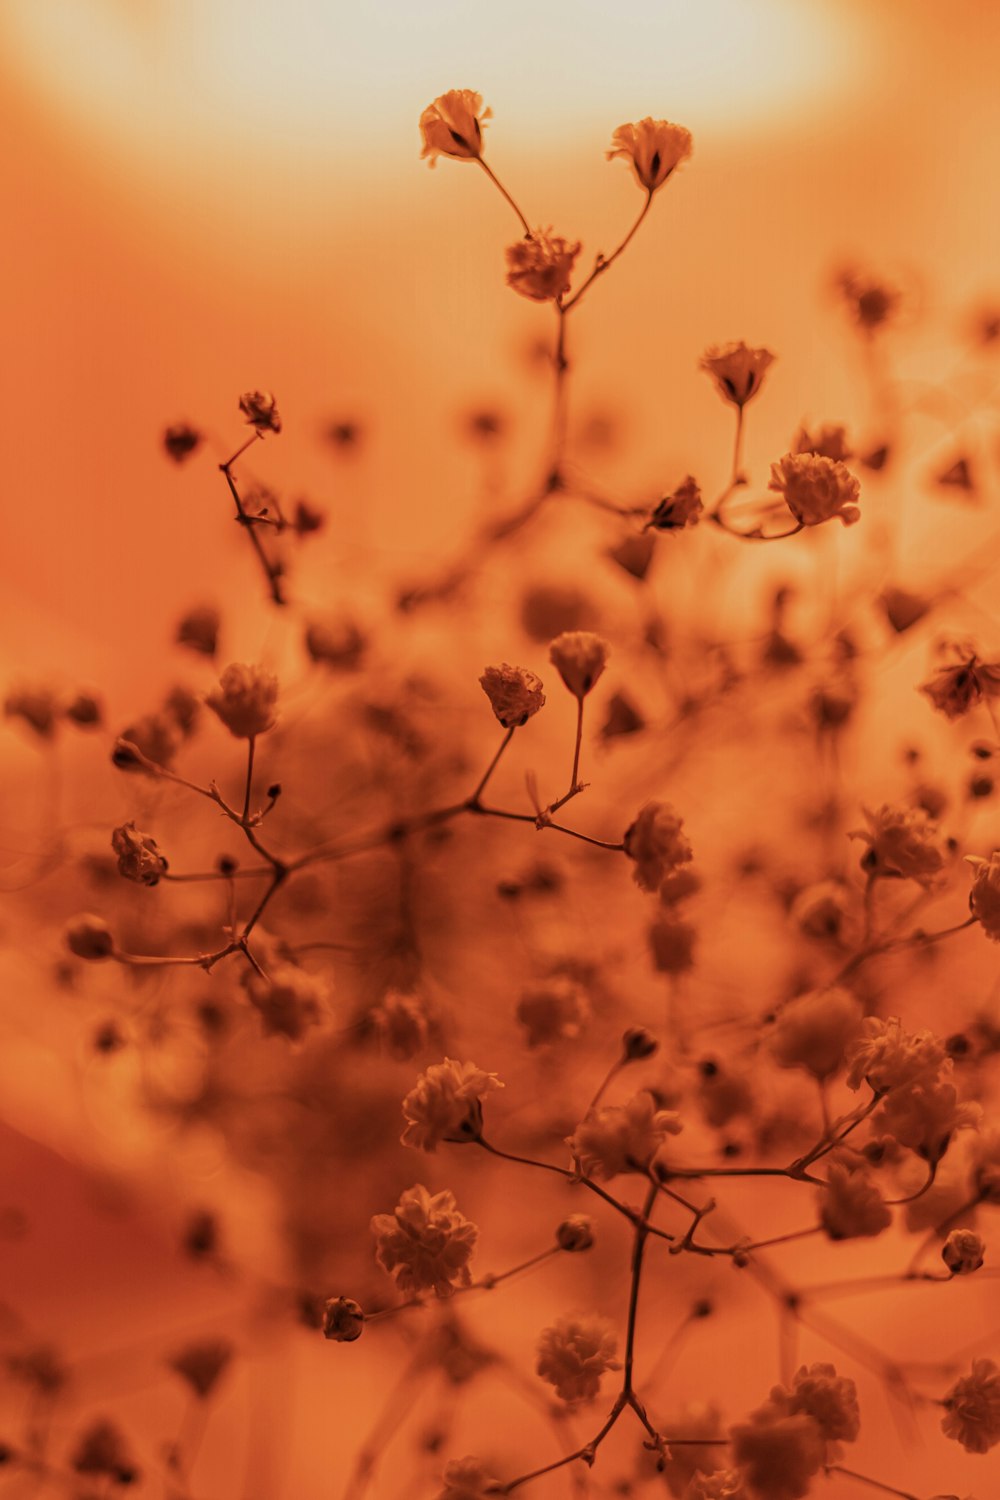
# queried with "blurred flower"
point(89, 937)
point(343, 1320)
point(828, 441)
point(778, 1455)
point(622, 1138)
point(830, 1399)
point(963, 682)
point(261, 411)
point(816, 489)
point(723, 1484)
point(156, 738)
point(288, 1000)
point(924, 1116)
point(814, 1030)
point(579, 657)
point(984, 898)
point(138, 857)
point(973, 1408)
point(202, 1364)
point(101, 1450)
point(887, 1057)
point(963, 1252)
point(553, 1010)
point(402, 1024)
point(671, 942)
point(37, 707)
point(84, 710)
point(575, 1234)
point(541, 267)
point(514, 693)
point(245, 700)
point(426, 1243)
point(738, 371)
point(338, 644)
point(445, 1104)
point(574, 1353)
point(903, 842)
point(180, 441)
point(468, 1479)
point(199, 629)
point(681, 508)
point(452, 126)
point(657, 844)
point(986, 1165)
point(654, 147)
point(871, 303)
point(851, 1206)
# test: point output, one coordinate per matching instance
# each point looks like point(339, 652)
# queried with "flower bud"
point(343, 1320)
point(963, 1252)
point(638, 1043)
point(575, 1233)
point(580, 657)
point(88, 937)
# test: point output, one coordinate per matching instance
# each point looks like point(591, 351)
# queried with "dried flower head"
point(963, 1252)
point(972, 1405)
point(514, 693)
point(655, 149)
point(622, 1138)
point(343, 1320)
point(290, 1001)
point(574, 1353)
point(426, 1243)
point(245, 699)
point(452, 126)
point(657, 843)
point(901, 842)
point(962, 681)
point(446, 1104)
point(738, 370)
point(816, 489)
point(261, 411)
point(681, 508)
point(580, 657)
point(541, 267)
point(886, 1056)
point(138, 857)
point(925, 1115)
point(830, 1399)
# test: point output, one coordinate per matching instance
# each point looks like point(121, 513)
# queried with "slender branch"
point(498, 184)
point(604, 263)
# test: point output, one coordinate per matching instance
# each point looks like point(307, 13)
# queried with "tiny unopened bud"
point(343, 1320)
point(88, 937)
point(963, 1252)
point(575, 1233)
point(274, 790)
point(84, 711)
point(638, 1043)
point(226, 865)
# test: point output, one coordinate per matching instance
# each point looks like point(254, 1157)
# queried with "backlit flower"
point(574, 1353)
point(737, 370)
point(468, 1479)
point(622, 1138)
point(886, 1056)
point(445, 1104)
point(654, 147)
point(851, 1206)
point(452, 126)
point(426, 1243)
point(580, 657)
point(541, 267)
point(816, 489)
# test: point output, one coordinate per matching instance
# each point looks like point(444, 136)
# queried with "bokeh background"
point(206, 196)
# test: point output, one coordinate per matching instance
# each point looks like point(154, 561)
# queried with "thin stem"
point(251, 746)
point(638, 1251)
point(272, 571)
point(737, 477)
point(574, 1177)
point(887, 1489)
point(499, 185)
point(604, 263)
point(492, 765)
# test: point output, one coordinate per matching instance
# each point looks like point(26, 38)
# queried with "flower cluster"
point(426, 1243)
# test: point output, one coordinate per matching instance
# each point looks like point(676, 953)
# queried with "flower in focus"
point(885, 1056)
point(963, 1252)
point(514, 693)
point(580, 657)
point(828, 441)
point(851, 1206)
point(244, 700)
point(984, 898)
point(816, 489)
point(445, 1104)
point(554, 1010)
point(657, 843)
point(654, 147)
point(681, 508)
point(452, 126)
point(261, 411)
point(738, 371)
point(973, 1408)
point(814, 1030)
point(467, 1479)
point(541, 267)
point(962, 682)
point(903, 842)
point(622, 1138)
point(574, 1353)
point(426, 1243)
point(138, 857)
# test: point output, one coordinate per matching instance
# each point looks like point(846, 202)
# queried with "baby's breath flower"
point(963, 1252)
point(829, 441)
point(553, 1010)
point(202, 1364)
point(575, 1233)
point(261, 411)
point(101, 1450)
point(888, 1057)
point(814, 1030)
point(468, 1479)
point(446, 1104)
point(89, 937)
point(574, 1353)
point(180, 440)
point(37, 707)
point(289, 1000)
point(681, 508)
point(671, 942)
point(851, 1206)
point(580, 657)
point(426, 1243)
point(541, 267)
point(452, 126)
point(245, 700)
point(402, 1024)
point(738, 371)
point(925, 1116)
point(514, 693)
point(984, 898)
point(657, 843)
point(778, 1454)
point(138, 857)
point(903, 842)
point(622, 1138)
point(723, 1484)
point(973, 1408)
point(655, 149)
point(343, 1319)
point(962, 682)
point(155, 736)
point(816, 489)
point(199, 629)
point(830, 1399)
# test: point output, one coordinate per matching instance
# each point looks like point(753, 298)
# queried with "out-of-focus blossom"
point(903, 842)
point(830, 1399)
point(338, 644)
point(777, 1455)
point(681, 508)
point(816, 489)
point(453, 126)
point(180, 440)
point(962, 682)
point(986, 1165)
point(289, 1000)
point(828, 441)
point(851, 1206)
point(903, 609)
point(553, 1010)
point(101, 1450)
point(245, 700)
point(814, 1030)
point(343, 1320)
point(89, 937)
point(84, 710)
point(36, 707)
point(671, 943)
point(655, 149)
point(201, 1365)
point(925, 1116)
point(446, 1104)
point(261, 411)
point(972, 1415)
point(155, 736)
point(574, 1353)
point(199, 629)
point(738, 370)
point(984, 898)
point(468, 1479)
point(575, 1234)
point(426, 1242)
point(402, 1023)
point(723, 1484)
point(514, 693)
point(541, 267)
point(138, 857)
point(580, 657)
point(622, 1138)
point(657, 843)
point(963, 1252)
point(871, 302)
point(820, 910)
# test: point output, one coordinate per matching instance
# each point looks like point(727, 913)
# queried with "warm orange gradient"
point(208, 197)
